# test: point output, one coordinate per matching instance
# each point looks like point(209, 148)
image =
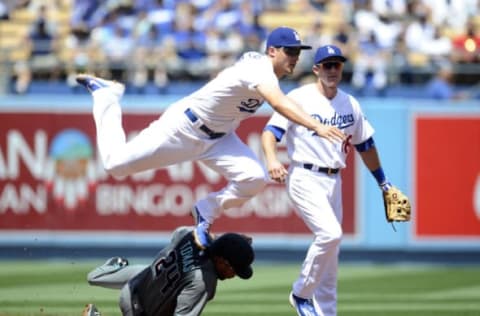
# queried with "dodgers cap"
point(237, 250)
point(285, 37)
point(328, 51)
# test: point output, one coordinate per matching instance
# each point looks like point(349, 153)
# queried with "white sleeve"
point(363, 129)
point(255, 68)
point(279, 121)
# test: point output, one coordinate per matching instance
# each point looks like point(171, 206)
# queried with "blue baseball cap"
point(285, 37)
point(327, 52)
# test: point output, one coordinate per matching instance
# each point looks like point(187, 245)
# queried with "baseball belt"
point(311, 166)
point(204, 128)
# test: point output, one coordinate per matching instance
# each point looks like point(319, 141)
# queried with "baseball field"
point(42, 288)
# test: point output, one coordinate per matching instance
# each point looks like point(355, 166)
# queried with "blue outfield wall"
point(393, 122)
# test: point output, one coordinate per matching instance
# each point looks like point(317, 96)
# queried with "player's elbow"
point(255, 185)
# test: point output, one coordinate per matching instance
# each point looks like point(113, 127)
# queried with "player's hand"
point(277, 172)
point(331, 133)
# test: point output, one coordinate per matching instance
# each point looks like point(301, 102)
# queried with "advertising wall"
point(448, 176)
point(53, 188)
point(51, 180)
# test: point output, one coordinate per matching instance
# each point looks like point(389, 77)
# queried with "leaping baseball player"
point(202, 126)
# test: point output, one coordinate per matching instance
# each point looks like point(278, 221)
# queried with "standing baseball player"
point(313, 179)
point(181, 279)
point(202, 126)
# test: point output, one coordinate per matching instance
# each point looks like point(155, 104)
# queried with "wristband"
point(379, 176)
point(381, 179)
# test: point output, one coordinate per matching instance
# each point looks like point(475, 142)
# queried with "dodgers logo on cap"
point(285, 37)
point(328, 51)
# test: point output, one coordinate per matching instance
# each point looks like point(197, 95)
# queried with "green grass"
point(44, 288)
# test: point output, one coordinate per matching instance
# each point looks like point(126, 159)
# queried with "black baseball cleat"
point(93, 83)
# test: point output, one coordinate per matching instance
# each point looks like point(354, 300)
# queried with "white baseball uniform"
point(200, 127)
point(317, 195)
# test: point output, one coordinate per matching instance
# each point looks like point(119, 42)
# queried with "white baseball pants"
point(317, 198)
point(171, 139)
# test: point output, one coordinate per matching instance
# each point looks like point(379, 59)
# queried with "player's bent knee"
point(332, 238)
point(115, 170)
point(253, 186)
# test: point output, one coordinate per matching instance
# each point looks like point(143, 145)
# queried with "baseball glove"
point(397, 205)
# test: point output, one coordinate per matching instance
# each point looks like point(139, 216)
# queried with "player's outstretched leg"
point(110, 266)
point(93, 83)
point(90, 310)
point(202, 229)
point(303, 306)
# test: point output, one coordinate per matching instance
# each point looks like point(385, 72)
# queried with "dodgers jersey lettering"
point(343, 111)
point(231, 96)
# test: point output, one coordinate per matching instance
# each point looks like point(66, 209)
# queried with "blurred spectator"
point(4, 11)
point(452, 14)
point(253, 31)
point(83, 12)
point(364, 18)
point(440, 87)
point(438, 48)
point(50, 5)
point(466, 46)
point(223, 48)
point(42, 47)
point(79, 53)
point(152, 54)
point(275, 5)
point(191, 51)
point(393, 9)
point(370, 66)
point(402, 68)
point(419, 31)
point(318, 35)
point(386, 31)
point(223, 15)
point(118, 51)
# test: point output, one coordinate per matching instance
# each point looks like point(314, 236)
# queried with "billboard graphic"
point(51, 179)
point(448, 177)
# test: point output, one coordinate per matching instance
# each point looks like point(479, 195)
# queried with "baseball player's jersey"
point(231, 96)
point(180, 280)
point(305, 146)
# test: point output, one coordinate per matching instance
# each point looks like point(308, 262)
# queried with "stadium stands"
point(84, 36)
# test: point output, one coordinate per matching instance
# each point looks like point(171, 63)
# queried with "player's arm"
point(370, 158)
point(192, 299)
point(396, 204)
point(285, 106)
point(276, 170)
point(113, 276)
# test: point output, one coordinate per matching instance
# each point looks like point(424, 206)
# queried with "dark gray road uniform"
point(180, 281)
